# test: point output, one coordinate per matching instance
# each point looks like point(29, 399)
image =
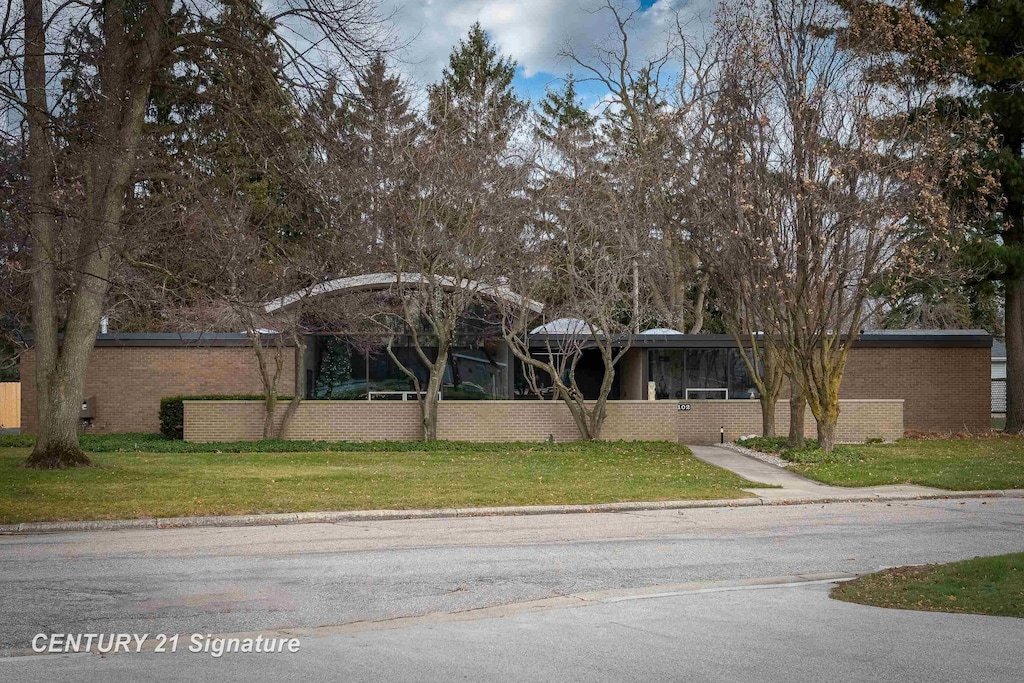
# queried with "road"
point(666, 594)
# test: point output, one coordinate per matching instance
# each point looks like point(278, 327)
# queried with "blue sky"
point(533, 32)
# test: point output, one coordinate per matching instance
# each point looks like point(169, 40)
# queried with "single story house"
point(667, 385)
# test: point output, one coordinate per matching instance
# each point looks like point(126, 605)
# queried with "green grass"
point(984, 585)
point(993, 462)
point(362, 476)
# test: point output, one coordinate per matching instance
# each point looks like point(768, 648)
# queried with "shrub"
point(172, 410)
point(764, 444)
point(17, 440)
point(157, 443)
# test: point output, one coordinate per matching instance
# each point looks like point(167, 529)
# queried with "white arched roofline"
point(377, 281)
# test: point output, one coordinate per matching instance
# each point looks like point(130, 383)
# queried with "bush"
point(764, 444)
point(172, 410)
point(157, 443)
point(17, 440)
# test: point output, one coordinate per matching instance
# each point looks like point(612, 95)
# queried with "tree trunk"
point(767, 415)
point(428, 406)
point(578, 411)
point(797, 408)
point(56, 444)
point(827, 425)
point(270, 407)
point(827, 434)
point(125, 72)
point(597, 415)
point(60, 374)
point(1015, 357)
point(299, 383)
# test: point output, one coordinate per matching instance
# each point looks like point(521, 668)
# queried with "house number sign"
point(683, 406)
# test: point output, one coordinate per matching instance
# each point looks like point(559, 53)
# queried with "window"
point(700, 374)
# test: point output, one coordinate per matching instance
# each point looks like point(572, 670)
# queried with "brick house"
point(939, 380)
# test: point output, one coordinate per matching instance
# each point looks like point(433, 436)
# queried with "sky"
point(532, 32)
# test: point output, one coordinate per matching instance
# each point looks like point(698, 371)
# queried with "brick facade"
point(127, 382)
point(208, 421)
point(944, 389)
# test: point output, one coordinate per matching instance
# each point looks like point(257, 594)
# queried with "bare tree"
point(658, 119)
point(857, 169)
point(578, 257)
point(84, 111)
point(448, 228)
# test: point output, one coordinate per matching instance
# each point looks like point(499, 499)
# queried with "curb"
point(451, 513)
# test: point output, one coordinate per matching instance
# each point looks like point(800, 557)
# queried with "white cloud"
point(533, 32)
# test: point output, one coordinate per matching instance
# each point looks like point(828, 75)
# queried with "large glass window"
point(347, 372)
point(476, 373)
point(667, 373)
point(707, 373)
point(699, 374)
point(740, 383)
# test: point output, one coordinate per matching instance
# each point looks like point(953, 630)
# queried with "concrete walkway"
point(791, 485)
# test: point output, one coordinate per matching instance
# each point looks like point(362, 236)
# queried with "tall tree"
point(862, 170)
point(561, 115)
point(474, 98)
point(464, 191)
point(988, 36)
point(657, 124)
point(80, 165)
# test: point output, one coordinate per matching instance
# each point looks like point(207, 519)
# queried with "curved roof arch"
point(564, 326)
point(378, 281)
point(661, 330)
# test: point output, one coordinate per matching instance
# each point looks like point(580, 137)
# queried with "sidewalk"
point(794, 488)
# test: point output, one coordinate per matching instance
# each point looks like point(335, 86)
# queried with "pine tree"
point(382, 113)
point(475, 97)
point(981, 40)
point(561, 112)
point(335, 369)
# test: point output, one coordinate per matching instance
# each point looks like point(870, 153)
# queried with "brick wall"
point(127, 382)
point(944, 389)
point(207, 421)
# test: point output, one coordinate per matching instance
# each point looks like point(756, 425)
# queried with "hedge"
point(172, 410)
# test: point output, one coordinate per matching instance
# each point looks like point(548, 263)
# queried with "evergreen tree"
point(982, 42)
point(335, 370)
point(561, 112)
point(382, 115)
point(474, 97)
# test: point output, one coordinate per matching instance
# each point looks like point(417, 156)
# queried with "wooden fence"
point(10, 405)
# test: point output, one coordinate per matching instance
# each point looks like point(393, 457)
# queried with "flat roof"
point(178, 339)
point(874, 338)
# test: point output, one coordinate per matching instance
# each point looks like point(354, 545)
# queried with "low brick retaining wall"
point(209, 421)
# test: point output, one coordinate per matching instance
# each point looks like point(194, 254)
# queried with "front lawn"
point(410, 475)
point(993, 462)
point(984, 585)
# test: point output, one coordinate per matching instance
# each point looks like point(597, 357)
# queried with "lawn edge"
point(330, 517)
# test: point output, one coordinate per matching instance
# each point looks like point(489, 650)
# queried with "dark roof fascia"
point(176, 339)
point(896, 339)
point(926, 339)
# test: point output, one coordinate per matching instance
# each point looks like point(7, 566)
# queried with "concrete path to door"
point(791, 486)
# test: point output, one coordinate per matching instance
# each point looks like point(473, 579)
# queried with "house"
point(667, 385)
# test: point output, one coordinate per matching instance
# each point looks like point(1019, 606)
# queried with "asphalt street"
point(682, 594)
